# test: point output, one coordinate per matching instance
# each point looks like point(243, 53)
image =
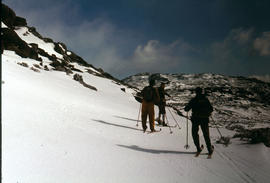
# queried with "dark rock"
point(39, 59)
point(19, 21)
point(8, 16)
point(79, 78)
point(2, 46)
point(94, 73)
point(68, 71)
point(123, 89)
point(46, 68)
point(89, 86)
point(236, 127)
point(53, 57)
point(56, 64)
point(37, 66)
point(34, 31)
point(48, 40)
point(61, 66)
point(63, 69)
point(12, 41)
point(75, 58)
point(66, 58)
point(45, 54)
point(60, 48)
point(260, 135)
point(63, 45)
point(75, 69)
point(34, 69)
point(34, 46)
point(23, 64)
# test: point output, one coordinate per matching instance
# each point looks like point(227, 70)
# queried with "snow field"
point(56, 130)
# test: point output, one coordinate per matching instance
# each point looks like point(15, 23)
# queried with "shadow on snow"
point(128, 118)
point(117, 125)
point(154, 151)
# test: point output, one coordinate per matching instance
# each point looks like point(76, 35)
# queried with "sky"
point(126, 37)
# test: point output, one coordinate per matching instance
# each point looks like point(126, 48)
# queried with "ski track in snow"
point(235, 166)
point(56, 130)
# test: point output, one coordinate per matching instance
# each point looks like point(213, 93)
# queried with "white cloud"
point(157, 56)
point(241, 35)
point(237, 42)
point(262, 44)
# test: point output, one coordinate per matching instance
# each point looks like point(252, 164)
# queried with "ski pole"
point(174, 119)
point(217, 127)
point(187, 146)
point(223, 140)
point(168, 124)
point(139, 114)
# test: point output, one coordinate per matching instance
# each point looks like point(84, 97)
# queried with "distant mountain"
point(265, 78)
point(239, 102)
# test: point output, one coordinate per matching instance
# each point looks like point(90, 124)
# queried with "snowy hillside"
point(239, 102)
point(65, 121)
point(56, 130)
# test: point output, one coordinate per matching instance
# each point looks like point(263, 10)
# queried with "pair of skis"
point(209, 156)
point(169, 126)
point(148, 132)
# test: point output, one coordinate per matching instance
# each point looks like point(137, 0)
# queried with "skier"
point(150, 97)
point(201, 110)
point(162, 104)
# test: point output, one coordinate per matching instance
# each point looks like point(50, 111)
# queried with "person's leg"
point(162, 111)
point(163, 118)
point(205, 130)
point(195, 135)
point(151, 116)
point(159, 114)
point(144, 115)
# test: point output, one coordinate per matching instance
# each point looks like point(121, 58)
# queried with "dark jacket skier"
point(162, 104)
point(201, 110)
point(150, 97)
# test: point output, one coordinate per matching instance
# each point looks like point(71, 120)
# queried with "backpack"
point(202, 108)
point(148, 94)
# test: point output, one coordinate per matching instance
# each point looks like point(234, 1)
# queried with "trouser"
point(203, 122)
point(161, 108)
point(162, 112)
point(148, 110)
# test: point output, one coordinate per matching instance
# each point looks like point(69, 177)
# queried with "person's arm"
point(210, 106)
point(189, 105)
point(140, 93)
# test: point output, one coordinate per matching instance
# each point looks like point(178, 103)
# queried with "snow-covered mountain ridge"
point(239, 102)
point(26, 42)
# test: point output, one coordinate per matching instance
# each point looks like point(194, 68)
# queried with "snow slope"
point(28, 37)
point(57, 131)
